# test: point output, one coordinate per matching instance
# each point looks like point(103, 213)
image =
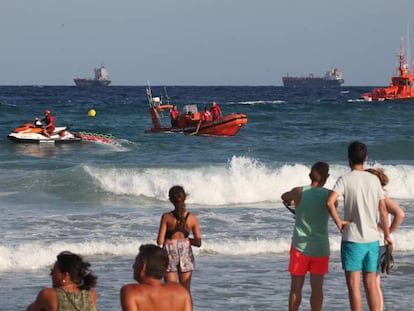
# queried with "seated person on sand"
point(72, 289)
point(150, 293)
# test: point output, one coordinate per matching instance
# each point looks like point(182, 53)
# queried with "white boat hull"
point(26, 135)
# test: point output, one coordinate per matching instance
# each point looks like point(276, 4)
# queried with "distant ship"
point(101, 78)
point(401, 86)
point(332, 79)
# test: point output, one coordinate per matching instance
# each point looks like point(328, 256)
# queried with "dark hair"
point(357, 152)
point(177, 197)
point(155, 258)
point(77, 268)
point(319, 171)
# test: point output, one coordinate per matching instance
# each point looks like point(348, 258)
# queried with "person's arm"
point(161, 231)
point(94, 298)
point(397, 213)
point(45, 301)
point(384, 220)
point(292, 197)
point(196, 240)
point(331, 204)
point(51, 122)
point(127, 298)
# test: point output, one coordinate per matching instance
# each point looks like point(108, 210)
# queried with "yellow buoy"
point(91, 112)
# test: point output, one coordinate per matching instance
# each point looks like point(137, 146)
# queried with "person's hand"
point(388, 240)
point(341, 225)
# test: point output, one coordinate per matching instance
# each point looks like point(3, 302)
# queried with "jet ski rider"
point(49, 123)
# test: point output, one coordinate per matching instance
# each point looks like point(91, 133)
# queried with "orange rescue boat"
point(401, 86)
point(190, 122)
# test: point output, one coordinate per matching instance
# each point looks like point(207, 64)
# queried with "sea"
point(103, 200)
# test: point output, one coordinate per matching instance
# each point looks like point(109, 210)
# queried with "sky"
point(194, 42)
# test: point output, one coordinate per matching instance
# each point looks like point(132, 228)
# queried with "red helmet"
point(47, 111)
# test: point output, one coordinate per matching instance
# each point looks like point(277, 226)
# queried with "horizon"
point(184, 42)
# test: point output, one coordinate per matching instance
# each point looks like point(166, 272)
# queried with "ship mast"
point(409, 61)
point(403, 66)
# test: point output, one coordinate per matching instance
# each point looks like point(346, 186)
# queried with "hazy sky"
point(193, 42)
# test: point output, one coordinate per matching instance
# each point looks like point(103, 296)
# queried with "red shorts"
point(300, 264)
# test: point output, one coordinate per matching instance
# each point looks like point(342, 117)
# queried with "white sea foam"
point(262, 102)
point(242, 180)
point(36, 255)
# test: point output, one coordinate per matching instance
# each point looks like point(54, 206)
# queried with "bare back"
point(169, 222)
point(168, 296)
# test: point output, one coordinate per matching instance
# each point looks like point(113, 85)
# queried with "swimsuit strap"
point(180, 226)
point(177, 217)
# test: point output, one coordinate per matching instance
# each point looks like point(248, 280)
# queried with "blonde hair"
point(379, 172)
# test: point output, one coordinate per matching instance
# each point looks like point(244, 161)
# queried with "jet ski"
point(32, 133)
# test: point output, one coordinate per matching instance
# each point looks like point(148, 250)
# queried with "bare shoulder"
point(193, 216)
point(192, 219)
point(166, 216)
point(48, 293)
point(132, 287)
point(45, 300)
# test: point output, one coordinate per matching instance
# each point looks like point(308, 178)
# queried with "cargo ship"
point(101, 78)
point(332, 79)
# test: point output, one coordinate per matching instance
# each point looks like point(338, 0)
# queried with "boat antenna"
point(408, 47)
point(166, 95)
point(149, 94)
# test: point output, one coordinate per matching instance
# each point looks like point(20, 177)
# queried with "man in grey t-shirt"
point(363, 203)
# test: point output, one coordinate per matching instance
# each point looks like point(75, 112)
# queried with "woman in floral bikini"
point(173, 236)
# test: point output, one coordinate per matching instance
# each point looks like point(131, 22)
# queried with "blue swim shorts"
point(360, 256)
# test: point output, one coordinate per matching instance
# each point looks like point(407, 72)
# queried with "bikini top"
point(180, 227)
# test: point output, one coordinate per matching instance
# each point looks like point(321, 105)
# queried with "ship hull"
point(311, 82)
point(91, 82)
point(400, 88)
point(227, 126)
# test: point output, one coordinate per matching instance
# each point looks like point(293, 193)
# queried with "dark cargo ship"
point(101, 78)
point(332, 79)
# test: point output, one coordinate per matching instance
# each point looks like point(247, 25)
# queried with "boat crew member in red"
point(49, 123)
point(174, 116)
point(206, 116)
point(215, 111)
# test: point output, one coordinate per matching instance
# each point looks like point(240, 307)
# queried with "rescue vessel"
point(401, 86)
point(190, 121)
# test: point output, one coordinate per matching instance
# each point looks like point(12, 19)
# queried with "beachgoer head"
point(319, 172)
point(379, 172)
point(357, 153)
point(78, 271)
point(151, 261)
point(177, 195)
